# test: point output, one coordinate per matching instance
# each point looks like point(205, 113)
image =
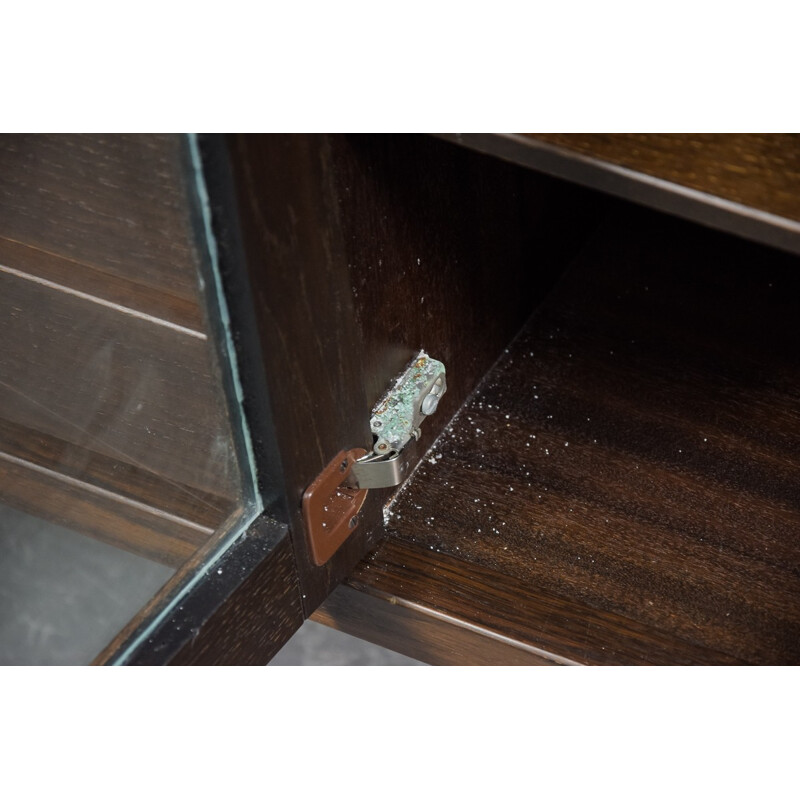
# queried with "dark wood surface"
point(365, 249)
point(83, 506)
point(307, 332)
point(110, 475)
point(236, 633)
point(242, 613)
point(116, 385)
point(105, 215)
point(746, 184)
point(623, 488)
point(447, 251)
point(757, 170)
point(433, 632)
point(109, 393)
point(445, 610)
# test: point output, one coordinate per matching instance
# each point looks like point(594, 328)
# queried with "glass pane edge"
point(253, 505)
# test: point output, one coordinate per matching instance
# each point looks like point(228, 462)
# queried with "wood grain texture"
point(106, 215)
point(107, 373)
point(623, 488)
point(446, 611)
point(757, 170)
point(365, 249)
point(113, 419)
point(746, 184)
point(242, 613)
point(114, 384)
point(103, 474)
point(269, 622)
point(424, 632)
point(292, 238)
point(447, 251)
point(112, 518)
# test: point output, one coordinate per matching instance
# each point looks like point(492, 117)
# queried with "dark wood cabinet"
point(611, 476)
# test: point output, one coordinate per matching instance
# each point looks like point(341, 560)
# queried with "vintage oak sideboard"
point(197, 330)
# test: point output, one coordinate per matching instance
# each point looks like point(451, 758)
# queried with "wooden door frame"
point(247, 603)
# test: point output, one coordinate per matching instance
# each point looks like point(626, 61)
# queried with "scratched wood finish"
point(745, 184)
point(364, 249)
point(623, 488)
point(109, 396)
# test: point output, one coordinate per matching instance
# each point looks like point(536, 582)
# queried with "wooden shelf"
point(623, 486)
point(757, 171)
point(746, 184)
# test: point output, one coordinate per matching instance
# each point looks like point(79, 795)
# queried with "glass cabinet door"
point(125, 464)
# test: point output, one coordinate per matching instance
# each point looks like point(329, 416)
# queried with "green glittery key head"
point(414, 396)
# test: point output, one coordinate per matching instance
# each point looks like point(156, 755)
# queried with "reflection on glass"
point(115, 415)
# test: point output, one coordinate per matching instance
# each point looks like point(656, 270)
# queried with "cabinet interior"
point(621, 486)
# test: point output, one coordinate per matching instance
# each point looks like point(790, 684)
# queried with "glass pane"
point(123, 455)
